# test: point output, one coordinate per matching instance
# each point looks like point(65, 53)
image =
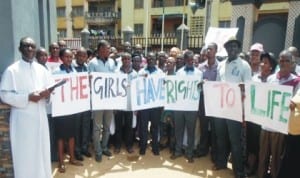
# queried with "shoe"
point(79, 157)
point(98, 158)
point(155, 152)
point(175, 156)
point(107, 153)
point(142, 151)
point(61, 168)
point(130, 150)
point(190, 160)
point(87, 154)
point(216, 167)
point(117, 150)
point(76, 163)
point(250, 171)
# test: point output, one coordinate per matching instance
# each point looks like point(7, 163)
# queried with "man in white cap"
point(255, 52)
point(228, 132)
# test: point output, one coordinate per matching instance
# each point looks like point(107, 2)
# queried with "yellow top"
point(294, 122)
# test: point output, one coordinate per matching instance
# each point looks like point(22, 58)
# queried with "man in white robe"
point(24, 87)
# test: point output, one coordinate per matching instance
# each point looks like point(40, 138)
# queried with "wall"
point(21, 18)
point(6, 168)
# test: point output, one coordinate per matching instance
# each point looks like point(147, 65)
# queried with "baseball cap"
point(257, 47)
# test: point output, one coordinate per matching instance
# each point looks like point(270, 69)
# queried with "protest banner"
point(182, 93)
point(268, 105)
point(147, 92)
point(109, 91)
point(220, 36)
point(72, 97)
point(223, 100)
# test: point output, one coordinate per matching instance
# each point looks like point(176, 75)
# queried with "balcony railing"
point(154, 42)
point(106, 17)
point(168, 3)
point(98, 0)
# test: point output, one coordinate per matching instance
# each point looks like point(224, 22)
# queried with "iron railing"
point(153, 42)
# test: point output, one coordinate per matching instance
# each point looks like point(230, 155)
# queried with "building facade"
point(21, 18)
point(275, 23)
point(70, 17)
point(101, 17)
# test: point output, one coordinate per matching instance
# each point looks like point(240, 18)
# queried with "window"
point(61, 12)
point(158, 3)
point(77, 33)
point(224, 24)
point(196, 25)
point(178, 2)
point(92, 7)
point(77, 11)
point(62, 33)
point(156, 26)
point(138, 4)
point(138, 29)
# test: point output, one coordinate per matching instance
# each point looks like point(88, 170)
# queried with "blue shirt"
point(209, 72)
point(100, 65)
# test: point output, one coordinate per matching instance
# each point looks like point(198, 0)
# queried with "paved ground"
point(124, 165)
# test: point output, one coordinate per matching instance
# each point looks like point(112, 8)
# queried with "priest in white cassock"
point(24, 87)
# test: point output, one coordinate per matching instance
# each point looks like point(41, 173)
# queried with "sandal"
point(76, 163)
point(61, 168)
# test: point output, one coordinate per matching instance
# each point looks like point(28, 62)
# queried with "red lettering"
point(230, 95)
point(62, 90)
point(83, 82)
point(74, 88)
point(227, 98)
point(222, 86)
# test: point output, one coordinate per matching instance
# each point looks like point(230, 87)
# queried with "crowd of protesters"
point(261, 151)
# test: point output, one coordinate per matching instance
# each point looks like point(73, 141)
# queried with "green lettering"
point(182, 88)
point(170, 92)
point(274, 102)
point(269, 105)
point(284, 108)
point(255, 110)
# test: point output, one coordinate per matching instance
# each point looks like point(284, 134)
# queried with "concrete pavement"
point(124, 165)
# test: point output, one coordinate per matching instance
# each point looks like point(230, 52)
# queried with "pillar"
point(6, 166)
point(182, 33)
point(249, 12)
point(85, 34)
point(127, 34)
point(293, 14)
point(19, 18)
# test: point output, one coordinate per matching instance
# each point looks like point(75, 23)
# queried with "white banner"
point(223, 100)
point(72, 97)
point(220, 36)
point(109, 91)
point(268, 105)
point(182, 93)
point(147, 92)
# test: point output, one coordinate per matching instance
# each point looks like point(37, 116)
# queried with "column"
point(249, 12)
point(19, 18)
point(293, 14)
point(6, 166)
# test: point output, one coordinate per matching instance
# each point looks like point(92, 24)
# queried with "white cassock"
point(29, 132)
